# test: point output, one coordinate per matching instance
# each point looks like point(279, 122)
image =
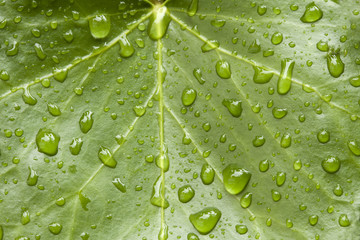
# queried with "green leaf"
point(123, 119)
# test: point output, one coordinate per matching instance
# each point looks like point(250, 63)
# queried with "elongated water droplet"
point(246, 200)
point(284, 82)
point(32, 178)
point(285, 140)
point(126, 48)
point(264, 165)
point(75, 146)
point(86, 121)
point(198, 75)
point(276, 196)
point(279, 112)
point(158, 193)
point(241, 229)
point(354, 81)
point(344, 220)
point(60, 74)
point(223, 69)
point(159, 22)
point(119, 184)
point(28, 98)
point(297, 165)
point(210, 45)
point(100, 26)
point(261, 75)
point(186, 193)
point(13, 49)
point(188, 96)
point(25, 217)
point(55, 228)
point(331, 164)
point(235, 178)
point(338, 191)
point(186, 139)
point(106, 157)
point(164, 232)
point(84, 200)
point(280, 178)
point(207, 174)
point(354, 147)
point(162, 160)
point(205, 220)
point(234, 106)
point(277, 38)
point(323, 136)
point(313, 219)
point(39, 51)
point(335, 64)
point(193, 7)
point(312, 13)
point(54, 109)
point(47, 141)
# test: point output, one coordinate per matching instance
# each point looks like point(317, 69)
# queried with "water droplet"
point(60, 201)
point(258, 141)
point(139, 111)
point(335, 64)
point(279, 112)
point(53, 109)
point(190, 236)
point(4, 75)
point(186, 193)
point(55, 228)
point(312, 13)
point(280, 178)
point(126, 48)
point(205, 220)
point(186, 139)
point(344, 220)
point(84, 200)
point(313, 219)
point(39, 51)
point(193, 7)
point(164, 232)
point(246, 200)
point(188, 96)
point(159, 22)
point(25, 217)
point(13, 49)
point(158, 193)
point(75, 146)
point(323, 136)
point(68, 36)
point(297, 165)
point(223, 69)
point(322, 46)
point(207, 174)
point(3, 22)
point(331, 164)
point(162, 160)
point(285, 140)
point(284, 82)
point(210, 45)
point(100, 26)
point(354, 147)
point(119, 184)
point(241, 229)
point(264, 165)
point(218, 22)
point(269, 222)
point(338, 191)
point(60, 74)
point(255, 46)
point(106, 157)
point(277, 38)
point(261, 75)
point(276, 196)
point(47, 141)
point(354, 81)
point(235, 178)
point(234, 107)
point(86, 121)
point(261, 10)
point(198, 75)
point(28, 98)
point(289, 223)
point(32, 178)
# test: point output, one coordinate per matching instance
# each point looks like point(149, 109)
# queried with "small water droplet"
point(158, 193)
point(119, 185)
point(47, 141)
point(264, 165)
point(279, 112)
point(84, 200)
point(4, 75)
point(255, 46)
point(331, 164)
point(218, 23)
point(205, 220)
point(335, 64)
point(100, 26)
point(162, 160)
point(284, 82)
point(322, 46)
point(106, 157)
point(164, 232)
point(60, 201)
point(86, 121)
point(344, 220)
point(246, 200)
point(223, 69)
point(198, 75)
point(53, 109)
point(234, 106)
point(186, 193)
point(338, 191)
point(188, 96)
point(13, 49)
point(25, 217)
point(68, 36)
point(297, 165)
point(55, 228)
point(276, 196)
point(241, 229)
point(190, 236)
point(207, 174)
point(261, 75)
point(235, 178)
point(277, 38)
point(159, 22)
point(75, 146)
point(261, 10)
point(313, 219)
point(312, 13)
point(126, 48)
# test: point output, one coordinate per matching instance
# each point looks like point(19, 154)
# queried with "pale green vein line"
point(74, 212)
point(80, 60)
point(253, 63)
point(132, 227)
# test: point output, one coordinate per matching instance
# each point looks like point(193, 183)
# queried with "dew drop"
point(277, 38)
point(164, 232)
point(258, 141)
point(338, 191)
point(53, 109)
point(4, 75)
point(354, 147)
point(322, 46)
point(60, 201)
point(139, 111)
point(284, 82)
point(39, 51)
point(190, 236)
point(210, 45)
point(255, 46)
point(207, 174)
point(188, 96)
point(25, 217)
point(223, 69)
point(60, 74)
point(264, 165)
point(119, 185)
point(162, 160)
point(331, 164)
point(86, 121)
point(297, 165)
point(235, 178)
point(126, 48)
point(47, 141)
point(100, 26)
point(261, 10)
point(158, 193)
point(84, 200)
point(354, 81)
point(246, 200)
point(32, 177)
point(13, 49)
point(106, 157)
point(186, 193)
point(234, 106)
point(276, 196)
point(313, 219)
point(261, 75)
point(198, 75)
point(28, 98)
point(218, 22)
point(335, 64)
point(280, 178)
point(75, 146)
point(285, 140)
point(312, 13)
point(241, 229)
point(186, 139)
point(323, 136)
point(205, 220)
point(159, 22)
point(344, 220)
point(279, 112)
point(55, 228)
point(68, 36)
point(193, 7)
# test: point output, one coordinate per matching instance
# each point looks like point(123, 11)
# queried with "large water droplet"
point(284, 82)
point(162, 160)
point(331, 164)
point(323, 136)
point(235, 178)
point(313, 219)
point(241, 229)
point(188, 96)
point(223, 69)
point(32, 178)
point(207, 174)
point(190, 236)
point(186, 193)
point(234, 107)
point(261, 75)
point(106, 157)
point(355, 81)
point(312, 13)
point(159, 22)
point(119, 184)
point(84, 200)
point(47, 141)
point(246, 200)
point(126, 48)
point(60, 74)
point(205, 220)
point(279, 112)
point(285, 141)
point(100, 26)
point(28, 98)
point(55, 228)
point(86, 121)
point(164, 232)
point(344, 220)
point(25, 217)
point(54, 109)
point(264, 165)
point(193, 7)
point(277, 38)
point(158, 193)
point(75, 146)
point(335, 64)
point(280, 178)
point(354, 147)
